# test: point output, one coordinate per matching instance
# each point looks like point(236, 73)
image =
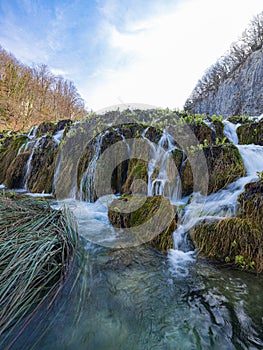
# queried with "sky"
point(125, 51)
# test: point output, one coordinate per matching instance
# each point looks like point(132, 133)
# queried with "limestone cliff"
point(239, 94)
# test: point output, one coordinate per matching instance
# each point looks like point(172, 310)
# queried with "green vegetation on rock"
point(251, 132)
point(236, 241)
point(150, 219)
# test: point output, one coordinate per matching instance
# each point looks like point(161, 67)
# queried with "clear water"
point(139, 299)
point(132, 299)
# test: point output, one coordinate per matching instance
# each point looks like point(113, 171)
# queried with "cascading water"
point(134, 300)
point(28, 164)
point(87, 191)
point(31, 136)
point(166, 182)
point(217, 205)
point(57, 137)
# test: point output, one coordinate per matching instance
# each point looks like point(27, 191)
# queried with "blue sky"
point(119, 51)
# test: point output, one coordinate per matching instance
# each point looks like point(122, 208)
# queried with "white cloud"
point(160, 60)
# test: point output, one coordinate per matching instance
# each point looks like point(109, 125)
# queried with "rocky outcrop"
point(239, 94)
point(146, 219)
point(251, 203)
point(224, 165)
point(42, 166)
point(236, 241)
point(8, 152)
point(251, 132)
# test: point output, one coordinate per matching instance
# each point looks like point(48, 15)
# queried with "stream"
point(139, 299)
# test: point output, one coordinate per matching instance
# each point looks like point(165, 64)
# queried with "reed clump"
point(37, 248)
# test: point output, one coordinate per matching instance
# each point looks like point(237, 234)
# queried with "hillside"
point(31, 95)
point(233, 85)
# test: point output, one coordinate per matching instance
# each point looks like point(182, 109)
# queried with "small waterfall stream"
point(137, 299)
point(35, 143)
point(167, 181)
point(217, 205)
point(87, 191)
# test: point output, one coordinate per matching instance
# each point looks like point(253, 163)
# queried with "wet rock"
point(147, 219)
point(251, 202)
point(234, 241)
point(16, 171)
point(45, 127)
point(42, 166)
point(8, 152)
point(224, 165)
point(251, 133)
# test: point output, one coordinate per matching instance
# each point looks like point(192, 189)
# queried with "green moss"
point(16, 171)
point(251, 203)
point(8, 154)
point(251, 132)
point(235, 241)
point(150, 219)
point(137, 170)
point(238, 119)
point(224, 165)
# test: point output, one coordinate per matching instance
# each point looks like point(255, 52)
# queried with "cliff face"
point(239, 94)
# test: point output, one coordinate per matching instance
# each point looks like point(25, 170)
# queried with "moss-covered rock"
point(251, 133)
point(234, 241)
point(42, 166)
point(45, 127)
point(16, 172)
point(137, 170)
point(251, 203)
point(126, 171)
point(203, 133)
point(238, 119)
point(224, 165)
point(149, 219)
point(8, 154)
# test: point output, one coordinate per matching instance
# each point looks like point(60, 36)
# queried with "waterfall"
point(217, 205)
point(166, 182)
point(30, 140)
point(87, 190)
point(57, 137)
point(28, 164)
point(230, 131)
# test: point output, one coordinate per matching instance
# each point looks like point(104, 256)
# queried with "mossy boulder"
point(42, 166)
point(203, 132)
point(147, 219)
point(16, 171)
point(126, 171)
point(137, 176)
point(251, 203)
point(45, 127)
point(224, 165)
point(234, 241)
point(62, 124)
point(8, 154)
point(251, 133)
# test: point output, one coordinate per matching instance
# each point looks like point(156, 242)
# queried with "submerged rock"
point(148, 219)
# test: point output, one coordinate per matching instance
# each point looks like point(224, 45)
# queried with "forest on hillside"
point(250, 41)
point(31, 95)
